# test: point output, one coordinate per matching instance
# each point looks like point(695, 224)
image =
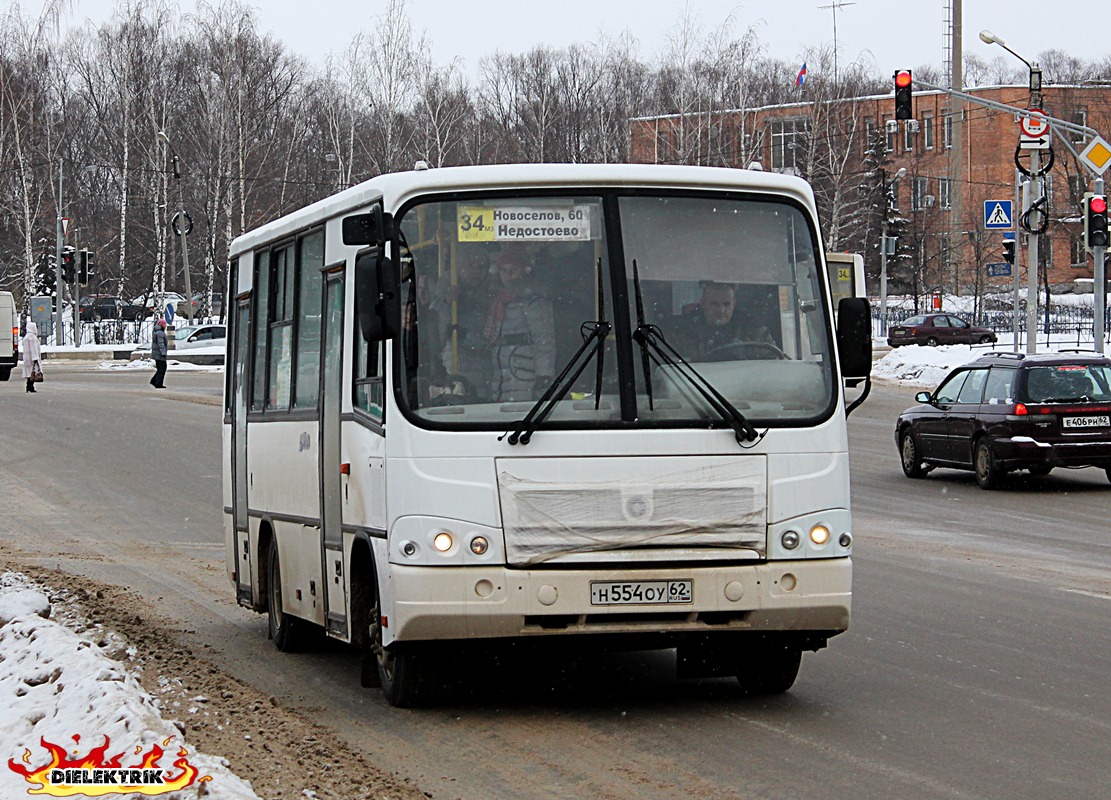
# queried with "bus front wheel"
point(406, 672)
point(770, 669)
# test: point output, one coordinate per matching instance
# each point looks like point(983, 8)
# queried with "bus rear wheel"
point(290, 634)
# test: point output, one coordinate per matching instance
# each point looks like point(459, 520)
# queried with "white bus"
point(600, 405)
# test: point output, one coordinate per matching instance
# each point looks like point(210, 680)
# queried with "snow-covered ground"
point(71, 700)
point(915, 365)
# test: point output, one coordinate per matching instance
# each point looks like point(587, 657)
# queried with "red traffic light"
point(902, 78)
point(1098, 204)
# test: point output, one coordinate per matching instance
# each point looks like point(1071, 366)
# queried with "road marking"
point(1086, 593)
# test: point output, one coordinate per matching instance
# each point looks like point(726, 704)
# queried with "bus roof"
point(397, 187)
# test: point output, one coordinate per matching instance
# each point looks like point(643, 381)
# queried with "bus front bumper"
point(437, 603)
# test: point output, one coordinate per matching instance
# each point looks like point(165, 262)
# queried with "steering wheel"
point(746, 351)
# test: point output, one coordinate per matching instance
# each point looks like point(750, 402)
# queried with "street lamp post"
point(183, 228)
point(1033, 197)
point(887, 206)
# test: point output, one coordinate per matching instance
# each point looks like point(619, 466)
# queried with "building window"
point(910, 128)
point(892, 130)
point(918, 194)
point(1079, 117)
point(869, 135)
point(1079, 258)
point(945, 193)
point(947, 131)
point(928, 131)
point(788, 138)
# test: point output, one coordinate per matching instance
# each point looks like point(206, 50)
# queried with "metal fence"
point(1073, 322)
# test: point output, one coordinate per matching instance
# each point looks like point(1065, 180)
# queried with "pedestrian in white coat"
point(32, 354)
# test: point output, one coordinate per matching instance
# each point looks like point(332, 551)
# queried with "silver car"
point(190, 337)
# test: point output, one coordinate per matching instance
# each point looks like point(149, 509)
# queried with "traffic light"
point(902, 94)
point(1009, 250)
point(1095, 221)
point(67, 265)
point(86, 260)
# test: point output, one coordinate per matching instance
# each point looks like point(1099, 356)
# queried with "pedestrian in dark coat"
point(32, 354)
point(159, 351)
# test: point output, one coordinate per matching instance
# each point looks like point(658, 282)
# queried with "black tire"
point(769, 669)
point(985, 339)
point(1041, 470)
point(5, 373)
point(290, 634)
point(908, 456)
point(989, 475)
point(932, 341)
point(406, 673)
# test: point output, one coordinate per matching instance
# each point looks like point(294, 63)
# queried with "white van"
point(9, 335)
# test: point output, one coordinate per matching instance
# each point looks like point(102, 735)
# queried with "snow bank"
point(62, 689)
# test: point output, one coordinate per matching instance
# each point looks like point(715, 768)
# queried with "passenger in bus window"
point(467, 354)
point(521, 332)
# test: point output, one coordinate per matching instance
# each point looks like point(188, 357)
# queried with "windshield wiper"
point(593, 344)
point(655, 347)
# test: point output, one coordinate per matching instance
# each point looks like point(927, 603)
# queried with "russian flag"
point(801, 79)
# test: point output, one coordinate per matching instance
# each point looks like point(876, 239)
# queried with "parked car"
point(198, 306)
point(935, 329)
point(105, 306)
point(189, 337)
point(149, 300)
point(1009, 411)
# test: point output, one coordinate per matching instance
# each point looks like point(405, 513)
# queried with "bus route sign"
point(489, 223)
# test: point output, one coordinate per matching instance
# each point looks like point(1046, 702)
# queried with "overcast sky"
point(889, 34)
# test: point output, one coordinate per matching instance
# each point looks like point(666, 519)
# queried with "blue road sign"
point(169, 313)
point(997, 214)
point(999, 269)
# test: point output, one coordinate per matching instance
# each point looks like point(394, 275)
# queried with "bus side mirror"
point(854, 337)
point(366, 229)
point(376, 294)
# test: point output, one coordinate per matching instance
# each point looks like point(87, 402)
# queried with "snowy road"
point(975, 666)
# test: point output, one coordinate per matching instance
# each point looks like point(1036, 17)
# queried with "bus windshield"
point(499, 294)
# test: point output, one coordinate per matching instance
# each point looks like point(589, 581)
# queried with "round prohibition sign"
point(1034, 126)
point(177, 228)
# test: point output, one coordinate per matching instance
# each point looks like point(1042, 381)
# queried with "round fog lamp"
point(790, 540)
point(442, 542)
point(819, 534)
point(479, 545)
point(845, 540)
point(409, 549)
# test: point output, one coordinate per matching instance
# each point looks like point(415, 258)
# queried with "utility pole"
point(58, 284)
point(1099, 289)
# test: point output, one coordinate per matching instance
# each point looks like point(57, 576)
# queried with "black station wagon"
point(1009, 411)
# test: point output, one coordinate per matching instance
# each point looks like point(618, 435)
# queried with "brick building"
point(956, 157)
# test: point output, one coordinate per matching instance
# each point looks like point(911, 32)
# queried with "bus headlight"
point(790, 540)
point(819, 534)
point(443, 541)
point(479, 545)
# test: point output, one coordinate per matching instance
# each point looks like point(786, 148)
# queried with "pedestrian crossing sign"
point(997, 214)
